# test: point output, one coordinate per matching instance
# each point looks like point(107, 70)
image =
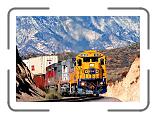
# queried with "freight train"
point(85, 74)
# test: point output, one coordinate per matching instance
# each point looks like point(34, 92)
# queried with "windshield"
point(90, 59)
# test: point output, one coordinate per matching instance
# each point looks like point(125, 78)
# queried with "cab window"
point(94, 59)
point(102, 61)
point(105, 60)
point(86, 59)
point(79, 62)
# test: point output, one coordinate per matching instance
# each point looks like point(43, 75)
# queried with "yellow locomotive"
point(90, 74)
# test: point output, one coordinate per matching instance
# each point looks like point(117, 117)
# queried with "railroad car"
point(40, 81)
point(59, 73)
point(50, 75)
point(90, 74)
point(37, 65)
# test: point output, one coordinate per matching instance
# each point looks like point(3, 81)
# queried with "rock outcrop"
point(129, 88)
point(26, 89)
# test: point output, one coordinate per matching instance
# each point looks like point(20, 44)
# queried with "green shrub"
point(52, 94)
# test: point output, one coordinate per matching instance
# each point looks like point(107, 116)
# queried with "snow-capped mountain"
point(48, 34)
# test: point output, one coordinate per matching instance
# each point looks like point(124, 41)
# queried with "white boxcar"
point(26, 61)
point(37, 65)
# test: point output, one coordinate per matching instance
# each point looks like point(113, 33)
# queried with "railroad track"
point(74, 99)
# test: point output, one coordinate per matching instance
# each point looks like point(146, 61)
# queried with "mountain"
point(56, 34)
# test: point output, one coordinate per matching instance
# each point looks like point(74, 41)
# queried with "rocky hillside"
point(129, 88)
point(119, 61)
point(25, 87)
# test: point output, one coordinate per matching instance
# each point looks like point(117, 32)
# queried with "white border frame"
point(104, 105)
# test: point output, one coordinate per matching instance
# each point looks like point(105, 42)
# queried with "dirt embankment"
point(25, 87)
point(129, 88)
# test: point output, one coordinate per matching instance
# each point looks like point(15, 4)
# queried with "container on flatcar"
point(26, 61)
point(38, 65)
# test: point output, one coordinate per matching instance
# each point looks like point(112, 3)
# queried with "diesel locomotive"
point(90, 74)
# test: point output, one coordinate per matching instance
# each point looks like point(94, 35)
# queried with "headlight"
point(91, 65)
point(82, 84)
point(96, 55)
point(101, 83)
point(85, 55)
